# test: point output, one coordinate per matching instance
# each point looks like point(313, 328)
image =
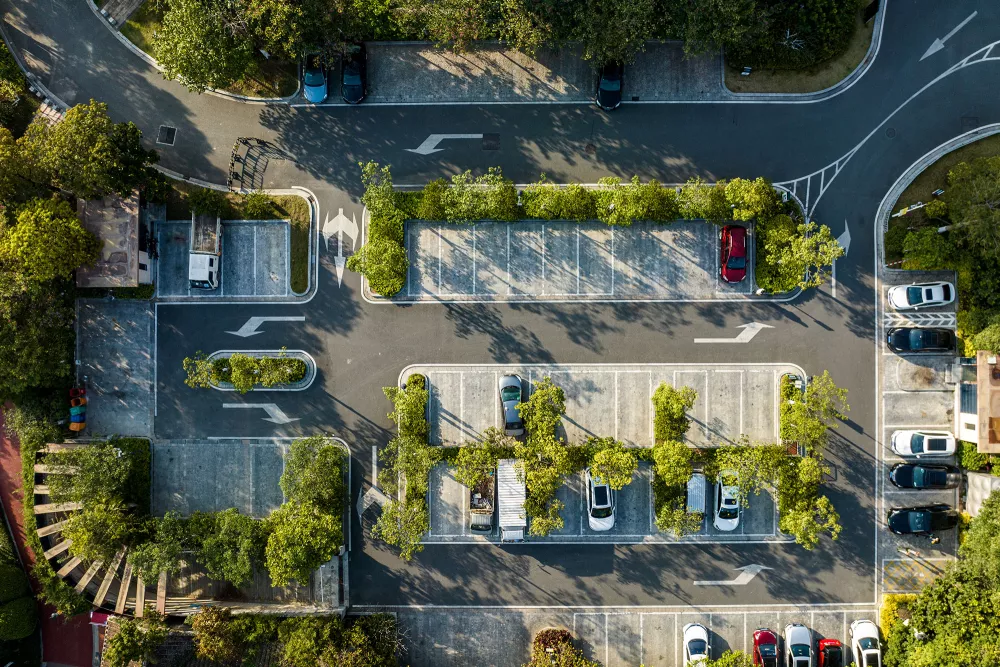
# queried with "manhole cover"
point(891, 132)
point(166, 135)
point(590, 149)
point(491, 142)
point(969, 123)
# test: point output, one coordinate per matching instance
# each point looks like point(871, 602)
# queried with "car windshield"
point(697, 647)
point(512, 425)
point(736, 263)
point(868, 643)
point(352, 77)
point(914, 295)
point(510, 394)
point(611, 85)
point(872, 660)
point(767, 650)
point(917, 443)
point(314, 77)
point(833, 657)
point(919, 522)
point(800, 650)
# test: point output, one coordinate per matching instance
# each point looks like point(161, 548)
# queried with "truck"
point(481, 504)
point(206, 251)
point(510, 483)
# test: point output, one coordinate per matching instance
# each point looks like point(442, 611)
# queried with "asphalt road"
point(361, 347)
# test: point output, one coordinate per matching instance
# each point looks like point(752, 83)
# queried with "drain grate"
point(891, 132)
point(166, 135)
point(491, 142)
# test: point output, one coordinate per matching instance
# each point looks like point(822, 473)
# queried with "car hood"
point(601, 525)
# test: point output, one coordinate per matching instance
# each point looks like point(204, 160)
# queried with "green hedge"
point(18, 618)
point(13, 582)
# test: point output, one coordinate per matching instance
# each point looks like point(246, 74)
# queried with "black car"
point(609, 85)
point(921, 476)
point(354, 75)
point(921, 520)
point(908, 339)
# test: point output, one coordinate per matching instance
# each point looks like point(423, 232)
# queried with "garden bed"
point(297, 369)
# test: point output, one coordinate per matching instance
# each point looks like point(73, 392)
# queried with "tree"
point(477, 460)
point(18, 618)
point(216, 638)
point(612, 462)
point(973, 198)
point(230, 545)
point(452, 23)
point(542, 412)
point(672, 462)
point(48, 242)
point(546, 463)
point(615, 29)
point(988, 339)
point(305, 639)
point(810, 253)
point(257, 205)
point(409, 410)
point(161, 553)
point(980, 550)
point(825, 400)
point(208, 202)
point(101, 474)
point(203, 45)
point(702, 200)
point(927, 250)
point(740, 25)
point(751, 200)
point(15, 183)
point(302, 538)
point(670, 407)
point(802, 512)
point(757, 465)
point(384, 263)
point(136, 639)
point(99, 530)
point(131, 167)
point(314, 473)
point(403, 525)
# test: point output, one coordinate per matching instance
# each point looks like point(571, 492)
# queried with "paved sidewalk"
point(420, 73)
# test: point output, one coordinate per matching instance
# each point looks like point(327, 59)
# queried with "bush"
point(894, 237)
point(18, 618)
point(314, 472)
point(243, 371)
point(302, 537)
point(670, 406)
point(889, 611)
point(612, 462)
point(970, 458)
point(925, 249)
point(257, 205)
point(229, 544)
point(988, 339)
point(672, 462)
point(13, 582)
point(209, 202)
point(136, 640)
point(389, 225)
point(384, 263)
point(555, 647)
point(216, 637)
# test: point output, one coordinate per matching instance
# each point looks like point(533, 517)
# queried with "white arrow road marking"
point(340, 225)
point(938, 44)
point(749, 331)
point(250, 328)
point(844, 240)
point(430, 143)
point(746, 574)
point(274, 414)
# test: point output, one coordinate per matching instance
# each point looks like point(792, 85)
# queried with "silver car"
point(511, 395)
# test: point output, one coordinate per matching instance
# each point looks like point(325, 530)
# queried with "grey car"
point(511, 395)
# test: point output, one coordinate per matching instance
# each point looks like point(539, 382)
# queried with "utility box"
point(511, 495)
point(205, 262)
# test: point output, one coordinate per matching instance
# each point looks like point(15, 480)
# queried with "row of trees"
point(212, 43)
point(790, 254)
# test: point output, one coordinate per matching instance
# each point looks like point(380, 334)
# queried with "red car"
point(733, 253)
point(765, 645)
point(831, 653)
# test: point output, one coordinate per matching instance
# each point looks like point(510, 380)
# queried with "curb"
point(127, 43)
point(302, 355)
point(832, 91)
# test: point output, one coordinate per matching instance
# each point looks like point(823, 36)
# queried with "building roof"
point(116, 222)
point(988, 402)
point(980, 488)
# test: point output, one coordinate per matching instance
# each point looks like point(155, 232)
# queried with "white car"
point(921, 295)
point(600, 504)
point(799, 645)
point(920, 444)
point(727, 501)
point(696, 646)
point(865, 643)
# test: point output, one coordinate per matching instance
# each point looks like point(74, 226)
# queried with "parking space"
point(254, 260)
point(615, 638)
point(611, 399)
point(539, 261)
point(634, 515)
point(917, 392)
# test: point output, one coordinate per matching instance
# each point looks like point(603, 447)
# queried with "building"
point(977, 399)
point(125, 257)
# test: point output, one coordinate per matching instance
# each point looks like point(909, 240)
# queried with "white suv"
point(727, 501)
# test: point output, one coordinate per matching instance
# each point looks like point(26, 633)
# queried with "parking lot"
point(917, 392)
point(611, 399)
point(545, 261)
point(615, 637)
point(634, 515)
point(254, 260)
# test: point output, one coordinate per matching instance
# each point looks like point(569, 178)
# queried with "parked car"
point(919, 444)
point(511, 395)
point(924, 476)
point(354, 74)
point(830, 653)
point(600, 503)
point(910, 339)
point(314, 85)
point(609, 85)
point(922, 520)
point(765, 648)
point(727, 503)
point(798, 645)
point(865, 644)
point(733, 253)
point(696, 646)
point(921, 295)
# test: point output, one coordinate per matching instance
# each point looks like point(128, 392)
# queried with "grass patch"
point(809, 80)
point(285, 207)
point(930, 179)
point(272, 78)
point(147, 20)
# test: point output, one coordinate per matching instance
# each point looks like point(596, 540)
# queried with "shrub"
point(302, 537)
point(925, 249)
point(936, 209)
point(670, 406)
point(18, 618)
point(577, 203)
point(889, 611)
point(555, 647)
point(243, 371)
point(542, 200)
point(477, 460)
point(432, 203)
point(672, 462)
point(542, 412)
point(970, 458)
point(894, 237)
point(257, 206)
point(389, 225)
point(988, 339)
point(13, 582)
point(136, 639)
point(216, 638)
point(209, 202)
point(384, 263)
point(700, 200)
point(612, 462)
point(230, 544)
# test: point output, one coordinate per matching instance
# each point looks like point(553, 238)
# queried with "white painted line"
point(255, 260)
point(544, 286)
point(375, 465)
point(440, 252)
point(578, 260)
point(508, 259)
point(474, 258)
point(606, 640)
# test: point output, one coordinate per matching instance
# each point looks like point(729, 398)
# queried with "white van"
point(696, 493)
